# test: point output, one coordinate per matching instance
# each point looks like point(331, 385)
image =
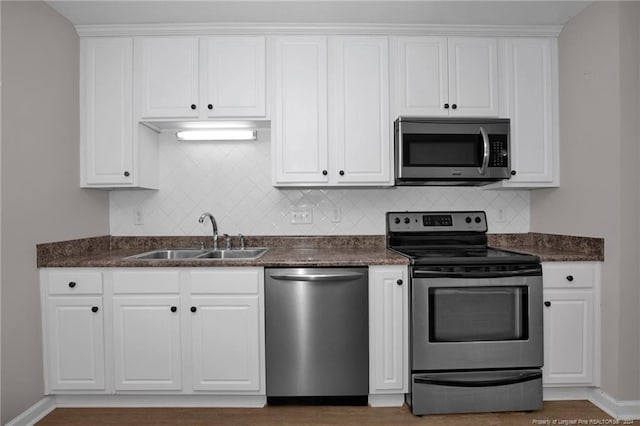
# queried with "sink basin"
point(250, 253)
point(199, 254)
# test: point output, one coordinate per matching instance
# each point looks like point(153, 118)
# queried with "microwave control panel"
point(498, 154)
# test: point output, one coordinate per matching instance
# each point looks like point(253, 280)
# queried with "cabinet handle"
point(399, 282)
point(547, 303)
point(127, 174)
point(193, 309)
point(569, 278)
point(513, 172)
point(446, 106)
point(94, 309)
point(193, 106)
point(341, 172)
point(174, 309)
point(454, 106)
point(210, 106)
point(72, 284)
point(324, 172)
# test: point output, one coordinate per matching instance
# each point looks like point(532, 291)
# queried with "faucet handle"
point(242, 245)
point(227, 241)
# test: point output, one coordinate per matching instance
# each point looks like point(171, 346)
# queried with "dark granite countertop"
point(286, 251)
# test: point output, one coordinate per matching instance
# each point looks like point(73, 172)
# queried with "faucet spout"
point(214, 225)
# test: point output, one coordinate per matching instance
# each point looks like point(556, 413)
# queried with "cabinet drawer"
point(226, 281)
point(568, 275)
point(75, 282)
point(128, 282)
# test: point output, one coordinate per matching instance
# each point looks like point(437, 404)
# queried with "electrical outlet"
point(502, 216)
point(138, 217)
point(337, 215)
point(301, 215)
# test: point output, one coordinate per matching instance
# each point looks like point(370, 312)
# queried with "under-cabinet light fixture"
point(217, 135)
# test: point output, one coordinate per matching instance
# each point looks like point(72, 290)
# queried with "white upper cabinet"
point(440, 76)
point(331, 115)
point(114, 151)
point(169, 83)
point(201, 77)
point(532, 104)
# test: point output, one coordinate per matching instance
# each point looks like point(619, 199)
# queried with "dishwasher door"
point(317, 332)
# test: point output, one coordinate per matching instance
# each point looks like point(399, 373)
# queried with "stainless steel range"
point(476, 316)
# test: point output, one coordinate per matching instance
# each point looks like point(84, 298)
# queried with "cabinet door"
point(388, 325)
point(299, 143)
point(473, 76)
point(568, 337)
point(169, 77)
point(421, 81)
point(359, 105)
point(234, 77)
point(147, 343)
point(530, 89)
point(75, 343)
point(226, 343)
point(106, 111)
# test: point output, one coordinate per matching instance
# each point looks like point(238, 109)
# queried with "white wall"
point(40, 194)
point(599, 89)
point(233, 182)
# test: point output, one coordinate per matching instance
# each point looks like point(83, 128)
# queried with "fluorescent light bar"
point(217, 135)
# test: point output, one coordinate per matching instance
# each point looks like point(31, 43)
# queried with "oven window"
point(442, 150)
point(471, 314)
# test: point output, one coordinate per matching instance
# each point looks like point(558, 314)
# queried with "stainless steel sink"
point(199, 254)
point(250, 253)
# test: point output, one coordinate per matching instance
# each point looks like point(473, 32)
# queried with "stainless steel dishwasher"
point(317, 335)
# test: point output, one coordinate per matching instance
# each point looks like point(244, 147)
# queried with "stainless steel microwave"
point(451, 151)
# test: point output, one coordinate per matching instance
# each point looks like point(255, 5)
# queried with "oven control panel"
point(471, 221)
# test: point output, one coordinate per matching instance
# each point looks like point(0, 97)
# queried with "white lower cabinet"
point(388, 333)
point(154, 331)
point(571, 323)
point(73, 331)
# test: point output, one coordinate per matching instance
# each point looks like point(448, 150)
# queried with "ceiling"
point(449, 12)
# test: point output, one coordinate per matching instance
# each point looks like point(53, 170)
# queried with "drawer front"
point(226, 281)
point(75, 282)
point(145, 281)
point(568, 274)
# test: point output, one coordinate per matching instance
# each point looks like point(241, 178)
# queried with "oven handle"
point(486, 150)
point(494, 274)
point(479, 383)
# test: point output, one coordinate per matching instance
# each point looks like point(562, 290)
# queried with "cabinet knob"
point(547, 303)
point(193, 106)
point(454, 106)
point(513, 172)
point(193, 309)
point(94, 309)
point(446, 106)
point(569, 278)
point(324, 172)
point(72, 284)
point(174, 309)
point(210, 106)
point(399, 282)
point(341, 172)
point(127, 174)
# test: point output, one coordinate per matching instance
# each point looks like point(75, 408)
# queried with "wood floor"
point(563, 412)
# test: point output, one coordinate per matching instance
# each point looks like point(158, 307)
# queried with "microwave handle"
point(486, 151)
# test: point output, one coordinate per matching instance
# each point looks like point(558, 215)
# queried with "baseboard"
point(386, 400)
point(620, 410)
point(34, 413)
point(132, 400)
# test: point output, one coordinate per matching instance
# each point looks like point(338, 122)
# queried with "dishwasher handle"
point(345, 276)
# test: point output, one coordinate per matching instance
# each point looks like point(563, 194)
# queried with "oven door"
point(476, 317)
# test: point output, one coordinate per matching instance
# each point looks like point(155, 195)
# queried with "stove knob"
point(478, 220)
point(468, 219)
point(396, 220)
point(407, 220)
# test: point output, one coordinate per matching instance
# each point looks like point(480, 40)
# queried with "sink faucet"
point(214, 225)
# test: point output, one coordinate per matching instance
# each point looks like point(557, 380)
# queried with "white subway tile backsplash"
point(232, 180)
